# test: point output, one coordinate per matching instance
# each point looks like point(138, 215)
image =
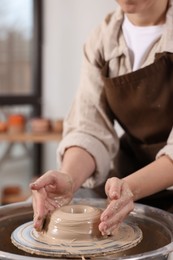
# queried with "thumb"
point(41, 182)
point(35, 185)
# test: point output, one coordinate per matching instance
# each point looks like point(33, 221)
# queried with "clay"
point(72, 222)
point(72, 231)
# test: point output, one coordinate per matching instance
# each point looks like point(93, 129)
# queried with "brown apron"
point(142, 103)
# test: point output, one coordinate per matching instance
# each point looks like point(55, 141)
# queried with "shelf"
point(31, 137)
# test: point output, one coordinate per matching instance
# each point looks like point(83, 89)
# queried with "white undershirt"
point(140, 40)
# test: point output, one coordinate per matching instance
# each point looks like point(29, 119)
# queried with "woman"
point(126, 77)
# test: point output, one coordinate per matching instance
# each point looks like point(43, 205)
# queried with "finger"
point(113, 188)
point(116, 219)
point(38, 223)
point(40, 208)
point(111, 209)
point(116, 205)
point(103, 228)
point(40, 216)
point(115, 215)
point(47, 179)
point(51, 189)
point(53, 203)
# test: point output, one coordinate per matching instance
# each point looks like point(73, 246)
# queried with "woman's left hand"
point(121, 203)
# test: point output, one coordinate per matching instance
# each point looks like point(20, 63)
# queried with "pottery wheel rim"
point(22, 238)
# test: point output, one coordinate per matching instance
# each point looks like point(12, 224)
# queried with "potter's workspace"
point(86, 130)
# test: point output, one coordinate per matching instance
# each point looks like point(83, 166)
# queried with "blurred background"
point(40, 58)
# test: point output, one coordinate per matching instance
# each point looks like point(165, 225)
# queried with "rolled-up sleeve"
point(88, 124)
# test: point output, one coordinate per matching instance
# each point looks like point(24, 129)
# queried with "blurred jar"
point(16, 123)
point(57, 125)
point(40, 125)
point(3, 127)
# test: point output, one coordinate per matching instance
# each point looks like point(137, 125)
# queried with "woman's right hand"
point(52, 190)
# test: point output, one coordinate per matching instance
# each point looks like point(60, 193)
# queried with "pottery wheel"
point(127, 236)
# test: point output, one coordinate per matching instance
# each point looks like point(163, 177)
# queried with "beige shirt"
point(87, 124)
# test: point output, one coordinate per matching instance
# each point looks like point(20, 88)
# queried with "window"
point(20, 64)
point(20, 51)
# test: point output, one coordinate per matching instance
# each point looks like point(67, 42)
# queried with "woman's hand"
point(120, 205)
point(52, 190)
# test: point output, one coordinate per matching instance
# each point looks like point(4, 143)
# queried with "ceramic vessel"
point(39, 125)
point(71, 222)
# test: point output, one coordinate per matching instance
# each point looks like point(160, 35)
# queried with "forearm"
point(79, 164)
point(151, 179)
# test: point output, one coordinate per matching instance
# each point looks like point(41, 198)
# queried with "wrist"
point(69, 179)
point(132, 188)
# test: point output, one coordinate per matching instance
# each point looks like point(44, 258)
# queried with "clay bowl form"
point(72, 231)
point(72, 222)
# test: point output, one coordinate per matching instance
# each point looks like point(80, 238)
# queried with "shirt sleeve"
point(88, 124)
point(168, 148)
